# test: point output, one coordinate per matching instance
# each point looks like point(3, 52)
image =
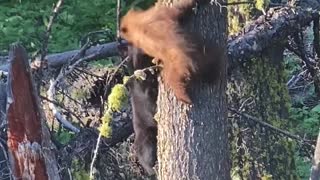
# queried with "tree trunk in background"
point(261, 91)
point(193, 141)
point(273, 103)
point(315, 169)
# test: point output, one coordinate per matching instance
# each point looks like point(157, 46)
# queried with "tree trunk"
point(315, 169)
point(260, 90)
point(193, 140)
point(272, 105)
point(30, 151)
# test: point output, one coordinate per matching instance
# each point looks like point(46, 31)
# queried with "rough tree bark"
point(28, 140)
point(259, 87)
point(193, 140)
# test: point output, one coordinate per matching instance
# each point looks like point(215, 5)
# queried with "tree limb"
point(54, 15)
point(269, 30)
point(269, 126)
point(58, 59)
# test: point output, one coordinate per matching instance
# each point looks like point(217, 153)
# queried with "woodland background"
point(273, 100)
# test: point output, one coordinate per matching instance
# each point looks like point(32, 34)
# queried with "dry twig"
point(54, 15)
point(269, 126)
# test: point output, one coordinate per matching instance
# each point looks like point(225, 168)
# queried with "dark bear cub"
point(143, 100)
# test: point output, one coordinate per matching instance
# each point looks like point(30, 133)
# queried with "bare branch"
point(40, 63)
point(294, 79)
point(54, 15)
point(303, 54)
point(95, 154)
point(280, 131)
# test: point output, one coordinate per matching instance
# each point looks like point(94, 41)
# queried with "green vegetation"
point(26, 21)
point(78, 171)
point(63, 136)
point(117, 99)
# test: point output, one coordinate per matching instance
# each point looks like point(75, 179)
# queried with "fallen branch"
point(59, 59)
point(92, 53)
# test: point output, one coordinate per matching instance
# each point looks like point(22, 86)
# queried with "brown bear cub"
point(157, 31)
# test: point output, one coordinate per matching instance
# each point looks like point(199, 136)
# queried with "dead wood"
point(25, 131)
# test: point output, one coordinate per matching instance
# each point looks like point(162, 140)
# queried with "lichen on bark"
point(260, 90)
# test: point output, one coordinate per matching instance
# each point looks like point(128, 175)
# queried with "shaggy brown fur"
point(159, 33)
